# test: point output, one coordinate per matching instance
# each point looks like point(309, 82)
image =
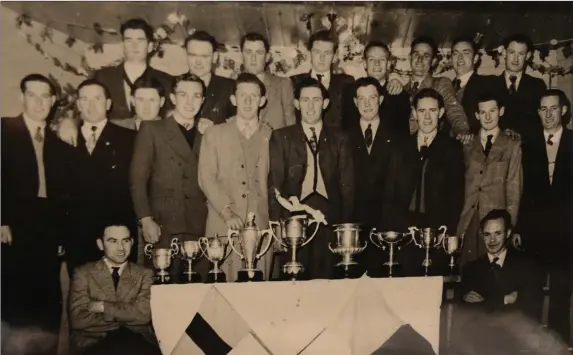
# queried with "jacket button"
point(479, 188)
point(242, 166)
point(473, 206)
point(244, 196)
point(244, 182)
point(481, 172)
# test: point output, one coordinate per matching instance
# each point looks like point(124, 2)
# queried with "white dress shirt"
point(465, 78)
point(508, 82)
point(87, 129)
point(325, 77)
point(483, 136)
point(364, 125)
point(33, 125)
point(426, 139)
point(552, 150)
point(110, 266)
point(501, 257)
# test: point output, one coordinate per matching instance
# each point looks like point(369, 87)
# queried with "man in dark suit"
point(101, 170)
point(163, 175)
point(548, 203)
point(425, 181)
point(520, 91)
point(109, 301)
point(322, 47)
point(313, 162)
point(35, 193)
point(202, 53)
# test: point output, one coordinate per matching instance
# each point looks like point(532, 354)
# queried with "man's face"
point(147, 103)
point(377, 63)
point(200, 57)
point(321, 56)
point(37, 100)
point(494, 236)
point(428, 113)
point(515, 56)
point(254, 57)
point(248, 100)
point(421, 59)
point(368, 102)
point(550, 112)
point(488, 114)
point(188, 98)
point(116, 244)
point(463, 58)
point(93, 104)
point(311, 104)
point(135, 45)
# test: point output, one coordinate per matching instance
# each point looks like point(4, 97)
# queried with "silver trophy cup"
point(162, 260)
point(390, 240)
point(190, 250)
point(452, 246)
point(215, 251)
point(347, 245)
point(428, 238)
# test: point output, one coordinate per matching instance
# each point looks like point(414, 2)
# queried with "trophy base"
point(243, 275)
point(293, 271)
point(386, 271)
point(190, 278)
point(351, 271)
point(214, 277)
point(162, 279)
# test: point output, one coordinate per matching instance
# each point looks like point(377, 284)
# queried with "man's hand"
point(203, 124)
point(232, 221)
point(511, 298)
point(67, 131)
point(151, 230)
point(465, 138)
point(394, 87)
point(6, 236)
point(516, 241)
point(512, 134)
point(473, 297)
point(96, 307)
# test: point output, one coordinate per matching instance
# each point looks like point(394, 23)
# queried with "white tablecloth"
point(308, 317)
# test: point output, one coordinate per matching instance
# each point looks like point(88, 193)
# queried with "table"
point(335, 317)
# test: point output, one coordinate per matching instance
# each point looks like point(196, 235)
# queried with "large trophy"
point(347, 245)
point(428, 239)
point(249, 239)
point(392, 239)
point(452, 246)
point(190, 250)
point(162, 260)
point(214, 251)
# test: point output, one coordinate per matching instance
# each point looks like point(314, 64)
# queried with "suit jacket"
point(163, 179)
point(444, 183)
point(457, 121)
point(217, 106)
point(113, 79)
point(469, 95)
point(518, 273)
point(340, 92)
point(128, 306)
point(279, 110)
point(288, 162)
point(370, 170)
point(492, 183)
point(521, 109)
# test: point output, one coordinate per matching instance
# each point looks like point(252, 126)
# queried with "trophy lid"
point(347, 226)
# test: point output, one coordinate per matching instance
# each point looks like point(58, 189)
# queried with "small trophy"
point(452, 246)
point(293, 236)
point(162, 260)
point(214, 251)
point(190, 250)
point(392, 239)
point(249, 239)
point(347, 245)
point(429, 239)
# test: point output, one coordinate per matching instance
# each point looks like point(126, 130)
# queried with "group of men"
point(191, 156)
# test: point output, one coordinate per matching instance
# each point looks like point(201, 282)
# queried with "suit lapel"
point(176, 140)
point(27, 142)
point(103, 140)
point(299, 145)
point(267, 81)
point(126, 282)
point(498, 148)
point(102, 275)
point(324, 152)
point(563, 152)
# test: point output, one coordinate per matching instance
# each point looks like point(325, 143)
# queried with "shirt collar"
point(110, 266)
point(465, 78)
point(483, 135)
point(429, 140)
point(317, 128)
point(182, 120)
point(33, 124)
point(375, 123)
point(242, 123)
point(508, 82)
point(325, 76)
point(87, 127)
point(501, 257)
point(556, 136)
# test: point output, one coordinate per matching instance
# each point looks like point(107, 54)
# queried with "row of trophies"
point(291, 234)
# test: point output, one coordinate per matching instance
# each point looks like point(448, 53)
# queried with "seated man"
point(109, 301)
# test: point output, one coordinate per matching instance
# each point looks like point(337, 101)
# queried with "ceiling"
point(396, 23)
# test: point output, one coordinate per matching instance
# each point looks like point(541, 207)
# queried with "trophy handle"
point(204, 240)
point(147, 250)
point(443, 229)
point(413, 231)
point(313, 234)
point(175, 246)
point(271, 224)
point(329, 247)
point(372, 233)
point(270, 233)
point(231, 242)
point(462, 238)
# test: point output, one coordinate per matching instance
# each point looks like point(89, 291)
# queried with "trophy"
point(190, 250)
point(162, 260)
point(452, 246)
point(347, 245)
point(249, 239)
point(391, 238)
point(214, 251)
point(293, 236)
point(429, 239)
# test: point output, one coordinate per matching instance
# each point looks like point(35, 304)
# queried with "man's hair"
point(93, 81)
point(310, 83)
point(202, 36)
point(137, 24)
point(367, 81)
point(426, 40)
point(324, 36)
point(466, 39)
point(148, 82)
point(254, 37)
point(377, 44)
point(249, 78)
point(519, 38)
point(488, 95)
point(563, 101)
point(112, 222)
point(494, 215)
point(188, 77)
point(428, 93)
point(39, 78)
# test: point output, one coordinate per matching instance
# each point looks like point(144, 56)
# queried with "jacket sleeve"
point(346, 167)
point(137, 312)
point(140, 171)
point(276, 173)
point(514, 183)
point(456, 186)
point(80, 316)
point(287, 98)
point(454, 111)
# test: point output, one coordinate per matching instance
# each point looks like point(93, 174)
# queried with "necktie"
point(313, 140)
point(415, 86)
point(39, 137)
point(91, 143)
point(512, 87)
point(488, 145)
point(494, 265)
point(188, 126)
point(368, 135)
point(457, 84)
point(115, 276)
point(319, 77)
point(549, 141)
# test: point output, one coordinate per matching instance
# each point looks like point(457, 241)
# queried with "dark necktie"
point(512, 87)
point(319, 77)
point(39, 136)
point(488, 145)
point(423, 152)
point(415, 86)
point(115, 276)
point(549, 141)
point(457, 84)
point(313, 140)
point(92, 141)
point(368, 135)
